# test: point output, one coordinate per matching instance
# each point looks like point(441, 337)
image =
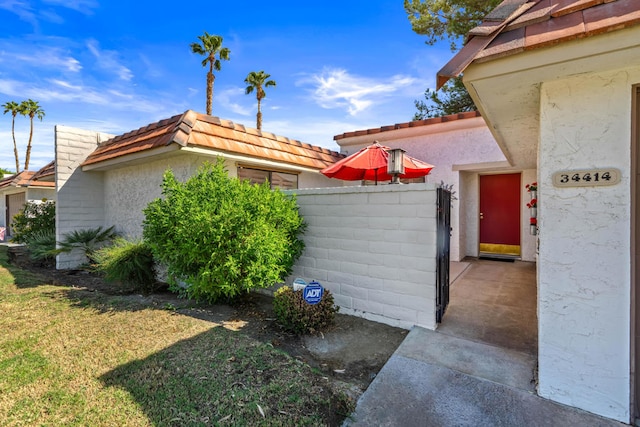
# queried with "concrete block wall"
point(374, 248)
point(80, 200)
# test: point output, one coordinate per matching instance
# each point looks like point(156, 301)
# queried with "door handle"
point(481, 215)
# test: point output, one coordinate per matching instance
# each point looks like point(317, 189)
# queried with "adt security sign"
point(312, 293)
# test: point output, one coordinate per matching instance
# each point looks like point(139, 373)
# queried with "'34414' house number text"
point(586, 178)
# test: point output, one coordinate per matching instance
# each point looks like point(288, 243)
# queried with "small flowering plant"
point(531, 187)
point(533, 203)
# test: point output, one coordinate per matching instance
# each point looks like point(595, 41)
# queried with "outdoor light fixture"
point(395, 164)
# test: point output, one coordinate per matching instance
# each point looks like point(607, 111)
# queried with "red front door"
point(500, 213)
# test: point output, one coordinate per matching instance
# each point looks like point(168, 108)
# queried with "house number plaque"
point(586, 178)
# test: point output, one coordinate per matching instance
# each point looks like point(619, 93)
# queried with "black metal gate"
point(443, 218)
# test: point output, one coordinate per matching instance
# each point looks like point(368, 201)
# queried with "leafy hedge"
point(219, 236)
point(34, 220)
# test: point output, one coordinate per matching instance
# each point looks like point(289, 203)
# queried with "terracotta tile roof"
point(193, 129)
point(47, 173)
point(519, 25)
point(413, 124)
point(44, 177)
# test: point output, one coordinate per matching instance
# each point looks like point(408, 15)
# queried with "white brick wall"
point(80, 196)
point(374, 248)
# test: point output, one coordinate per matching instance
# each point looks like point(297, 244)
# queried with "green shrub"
point(88, 240)
point(34, 218)
point(42, 246)
point(128, 262)
point(220, 236)
point(296, 315)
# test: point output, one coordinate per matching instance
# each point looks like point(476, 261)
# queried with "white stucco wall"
point(460, 147)
point(38, 194)
point(129, 189)
point(584, 274)
point(317, 180)
point(80, 196)
point(374, 248)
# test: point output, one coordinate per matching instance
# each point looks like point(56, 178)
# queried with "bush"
point(88, 240)
point(128, 262)
point(221, 236)
point(42, 246)
point(34, 218)
point(296, 315)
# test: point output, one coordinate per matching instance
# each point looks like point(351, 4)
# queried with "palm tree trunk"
point(15, 146)
point(210, 87)
point(28, 155)
point(259, 117)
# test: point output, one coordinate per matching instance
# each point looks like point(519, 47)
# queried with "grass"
point(78, 358)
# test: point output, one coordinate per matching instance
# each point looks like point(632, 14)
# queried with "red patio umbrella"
point(370, 164)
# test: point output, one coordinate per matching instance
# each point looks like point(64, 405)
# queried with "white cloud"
point(51, 57)
point(83, 6)
point(28, 13)
point(21, 8)
point(62, 91)
point(336, 88)
point(108, 60)
point(229, 98)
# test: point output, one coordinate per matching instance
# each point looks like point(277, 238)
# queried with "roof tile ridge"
point(267, 135)
point(576, 6)
point(140, 130)
point(183, 127)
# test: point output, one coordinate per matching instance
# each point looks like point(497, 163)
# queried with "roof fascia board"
point(247, 159)
point(41, 187)
point(409, 132)
point(478, 167)
point(129, 158)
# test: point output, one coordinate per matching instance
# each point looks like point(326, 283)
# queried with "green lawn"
point(77, 358)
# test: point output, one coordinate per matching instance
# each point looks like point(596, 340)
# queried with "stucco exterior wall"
point(80, 196)
point(584, 271)
point(128, 190)
point(462, 147)
point(317, 180)
point(38, 194)
point(374, 248)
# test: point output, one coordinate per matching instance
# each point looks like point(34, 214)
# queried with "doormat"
point(497, 257)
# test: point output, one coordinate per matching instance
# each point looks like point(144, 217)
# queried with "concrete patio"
point(478, 368)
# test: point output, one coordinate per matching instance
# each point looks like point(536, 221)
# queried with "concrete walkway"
point(465, 377)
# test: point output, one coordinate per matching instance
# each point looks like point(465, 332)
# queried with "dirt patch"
point(351, 353)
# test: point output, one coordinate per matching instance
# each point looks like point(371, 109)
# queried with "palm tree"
point(256, 80)
point(14, 107)
point(32, 109)
point(210, 47)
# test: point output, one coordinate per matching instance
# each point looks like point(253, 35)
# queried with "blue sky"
point(114, 66)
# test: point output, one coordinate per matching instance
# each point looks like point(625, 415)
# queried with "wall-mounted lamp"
point(395, 164)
